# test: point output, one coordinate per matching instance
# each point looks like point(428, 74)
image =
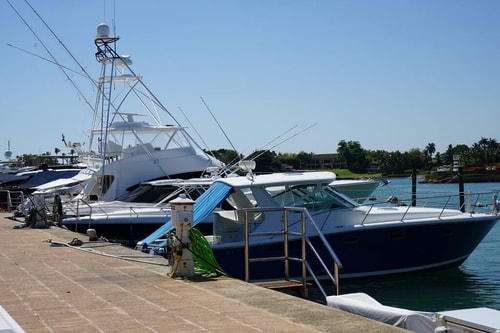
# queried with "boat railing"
point(133, 211)
point(477, 202)
point(11, 200)
point(286, 258)
point(109, 209)
point(85, 203)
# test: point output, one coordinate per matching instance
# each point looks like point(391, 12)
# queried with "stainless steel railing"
point(305, 245)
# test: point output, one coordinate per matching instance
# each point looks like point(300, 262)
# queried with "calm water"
point(476, 283)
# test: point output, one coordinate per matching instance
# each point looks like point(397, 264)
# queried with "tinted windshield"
point(308, 196)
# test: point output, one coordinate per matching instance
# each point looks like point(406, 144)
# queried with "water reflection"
point(425, 291)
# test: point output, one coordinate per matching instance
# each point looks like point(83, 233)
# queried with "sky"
point(289, 75)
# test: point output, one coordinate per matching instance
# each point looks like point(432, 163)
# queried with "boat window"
point(106, 183)
point(337, 199)
point(309, 197)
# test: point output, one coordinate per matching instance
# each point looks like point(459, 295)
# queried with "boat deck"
point(48, 286)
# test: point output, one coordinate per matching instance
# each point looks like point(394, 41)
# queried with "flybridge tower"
point(103, 40)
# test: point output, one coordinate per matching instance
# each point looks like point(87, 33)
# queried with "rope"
point(93, 251)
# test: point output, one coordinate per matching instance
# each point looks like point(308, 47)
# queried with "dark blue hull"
point(370, 251)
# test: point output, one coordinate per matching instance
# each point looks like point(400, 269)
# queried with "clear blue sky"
point(391, 74)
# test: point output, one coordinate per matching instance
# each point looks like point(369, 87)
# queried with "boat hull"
point(369, 251)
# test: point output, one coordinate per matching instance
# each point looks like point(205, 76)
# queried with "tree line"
point(350, 155)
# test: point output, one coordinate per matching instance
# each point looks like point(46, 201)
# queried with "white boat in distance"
point(358, 189)
point(129, 143)
point(369, 240)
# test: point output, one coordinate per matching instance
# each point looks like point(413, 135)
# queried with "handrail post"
point(285, 243)
point(247, 259)
point(9, 202)
point(304, 253)
point(336, 275)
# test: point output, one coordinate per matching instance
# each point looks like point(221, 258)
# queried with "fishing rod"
point(208, 150)
point(233, 163)
point(276, 138)
point(292, 136)
point(218, 124)
point(282, 141)
point(194, 128)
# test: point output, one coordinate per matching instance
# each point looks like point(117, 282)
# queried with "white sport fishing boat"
point(129, 142)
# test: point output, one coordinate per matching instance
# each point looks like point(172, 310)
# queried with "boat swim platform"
point(48, 286)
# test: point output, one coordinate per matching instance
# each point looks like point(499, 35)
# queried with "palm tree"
point(429, 150)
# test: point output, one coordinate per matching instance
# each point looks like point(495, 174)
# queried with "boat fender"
point(443, 329)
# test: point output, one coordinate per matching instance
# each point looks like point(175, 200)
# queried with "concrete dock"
point(48, 286)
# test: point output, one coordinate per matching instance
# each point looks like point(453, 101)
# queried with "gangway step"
point(282, 284)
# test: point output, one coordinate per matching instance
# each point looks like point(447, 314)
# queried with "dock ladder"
point(287, 282)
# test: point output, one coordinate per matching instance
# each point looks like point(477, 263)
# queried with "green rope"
point(204, 259)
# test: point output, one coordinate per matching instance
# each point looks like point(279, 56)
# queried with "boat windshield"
point(310, 197)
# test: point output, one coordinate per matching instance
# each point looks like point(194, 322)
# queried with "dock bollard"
point(92, 235)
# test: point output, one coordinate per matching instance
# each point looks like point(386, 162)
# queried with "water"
point(476, 283)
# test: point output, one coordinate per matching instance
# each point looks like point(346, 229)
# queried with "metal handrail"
point(78, 214)
point(305, 215)
point(447, 201)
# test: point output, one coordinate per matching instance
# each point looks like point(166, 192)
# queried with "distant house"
point(330, 161)
point(326, 161)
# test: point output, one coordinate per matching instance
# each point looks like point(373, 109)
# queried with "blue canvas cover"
point(203, 206)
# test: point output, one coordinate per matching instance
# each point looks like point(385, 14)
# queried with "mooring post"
point(414, 187)
point(461, 188)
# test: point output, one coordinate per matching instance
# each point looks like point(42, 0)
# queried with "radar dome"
point(102, 31)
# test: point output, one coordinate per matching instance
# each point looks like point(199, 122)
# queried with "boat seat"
point(229, 225)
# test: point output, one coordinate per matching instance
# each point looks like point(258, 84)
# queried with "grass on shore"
point(347, 174)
